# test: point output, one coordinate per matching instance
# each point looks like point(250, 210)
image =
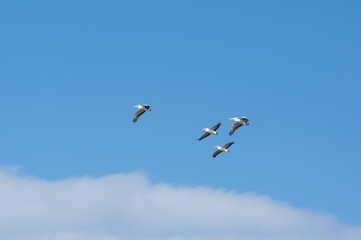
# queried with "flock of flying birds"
point(239, 122)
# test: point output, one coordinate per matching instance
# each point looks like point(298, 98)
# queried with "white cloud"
point(128, 206)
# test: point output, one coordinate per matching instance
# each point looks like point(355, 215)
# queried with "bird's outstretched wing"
point(204, 136)
point(216, 126)
point(235, 126)
point(216, 153)
point(228, 145)
point(137, 115)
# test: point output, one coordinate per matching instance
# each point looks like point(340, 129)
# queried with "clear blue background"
point(71, 71)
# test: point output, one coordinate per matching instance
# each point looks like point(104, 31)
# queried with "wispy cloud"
point(128, 206)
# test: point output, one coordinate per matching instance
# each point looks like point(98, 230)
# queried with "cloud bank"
point(128, 206)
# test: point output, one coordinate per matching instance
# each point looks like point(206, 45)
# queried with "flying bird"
point(222, 149)
point(238, 123)
point(142, 109)
point(210, 131)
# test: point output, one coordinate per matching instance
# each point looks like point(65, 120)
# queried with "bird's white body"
point(236, 119)
point(221, 148)
point(140, 107)
point(239, 120)
point(211, 131)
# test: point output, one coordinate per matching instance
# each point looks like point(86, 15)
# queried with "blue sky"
point(71, 72)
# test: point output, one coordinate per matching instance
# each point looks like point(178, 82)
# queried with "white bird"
point(222, 149)
point(210, 131)
point(142, 109)
point(238, 123)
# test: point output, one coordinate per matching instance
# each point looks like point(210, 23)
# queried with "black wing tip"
point(227, 145)
point(216, 153)
point(215, 127)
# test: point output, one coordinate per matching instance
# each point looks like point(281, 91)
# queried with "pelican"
point(210, 131)
point(238, 123)
point(222, 149)
point(142, 109)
